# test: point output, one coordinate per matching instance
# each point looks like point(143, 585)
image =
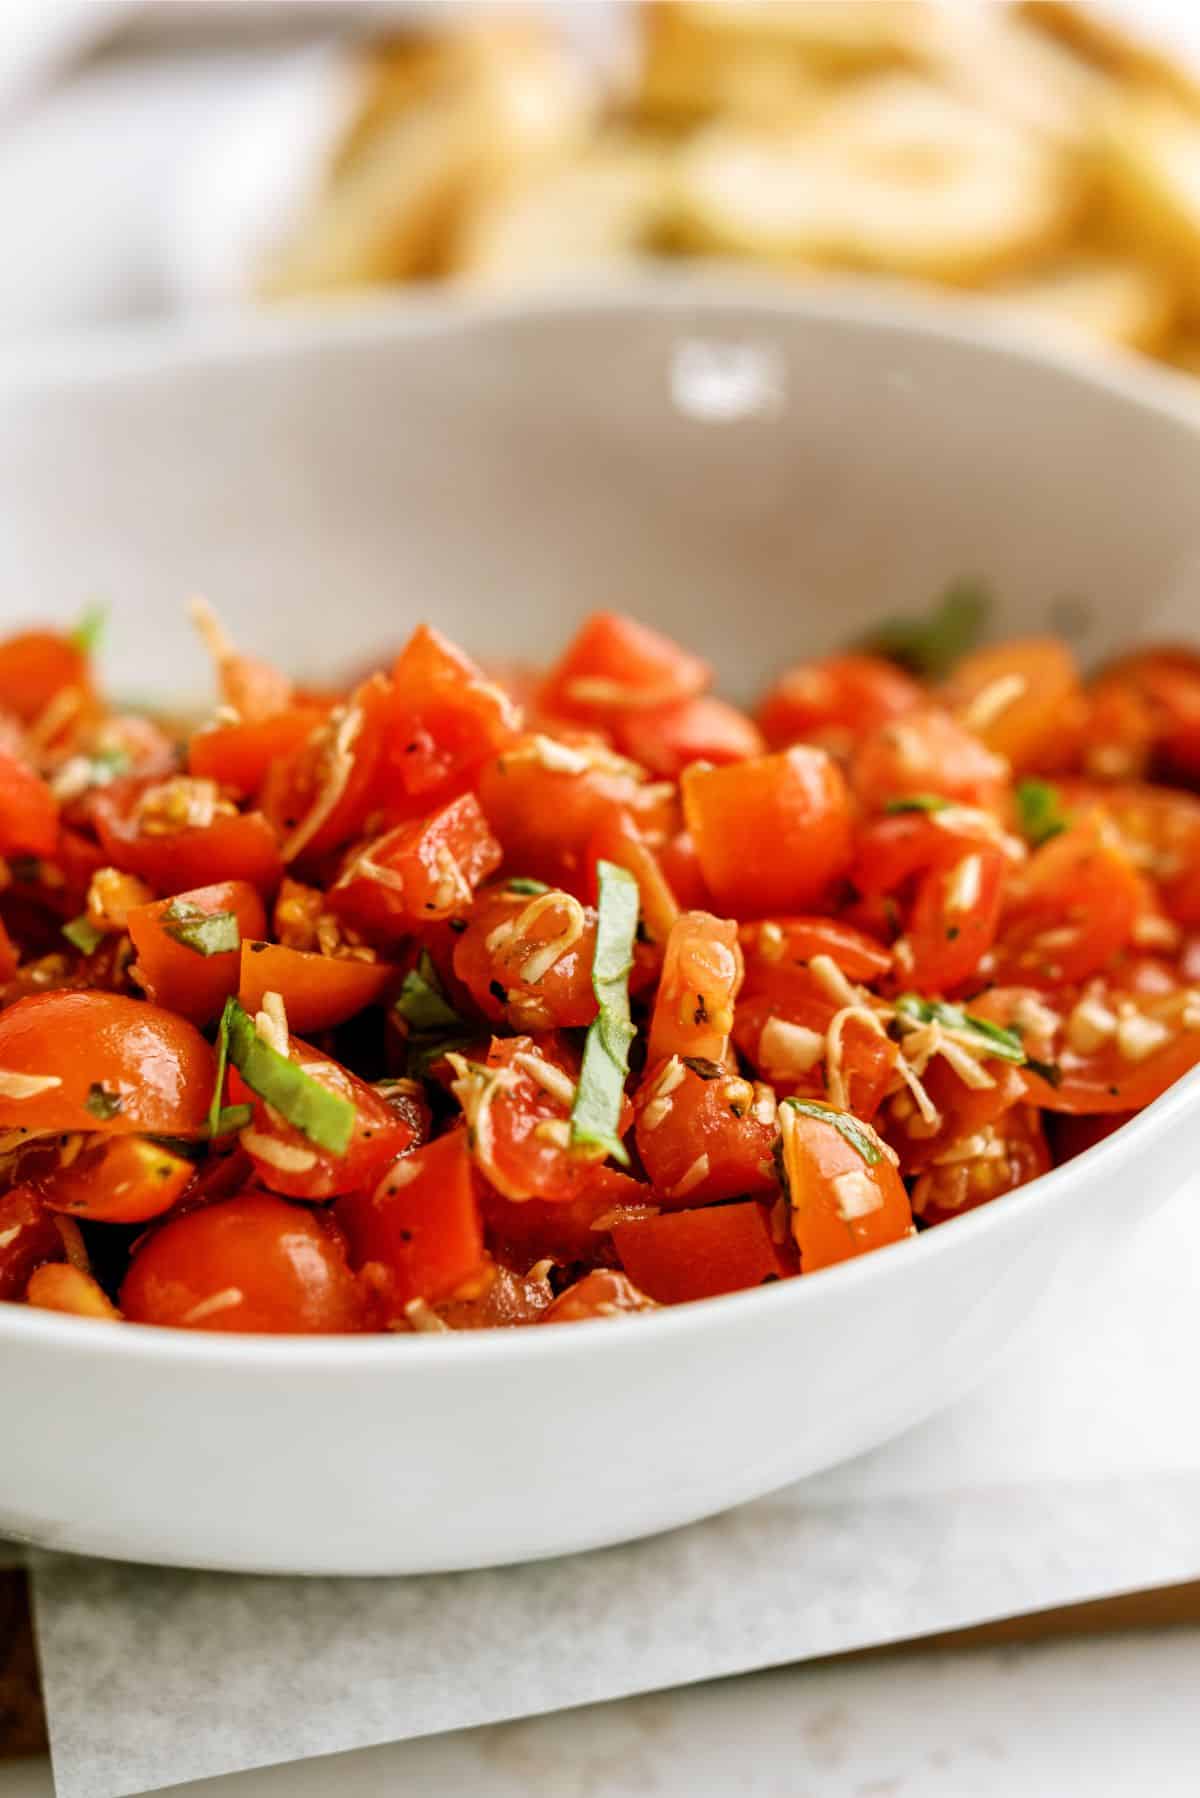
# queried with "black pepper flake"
point(498, 992)
point(700, 1015)
point(257, 948)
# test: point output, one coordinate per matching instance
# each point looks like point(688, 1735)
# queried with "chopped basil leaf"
point(325, 1117)
point(918, 802)
point(1040, 811)
point(1049, 1071)
point(931, 644)
point(700, 1064)
point(101, 1102)
point(231, 1118)
point(1004, 1044)
point(207, 933)
point(523, 885)
point(222, 1048)
point(88, 632)
point(423, 1003)
point(845, 1123)
point(596, 1113)
point(83, 934)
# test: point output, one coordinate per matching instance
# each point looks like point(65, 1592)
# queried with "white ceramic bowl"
point(760, 476)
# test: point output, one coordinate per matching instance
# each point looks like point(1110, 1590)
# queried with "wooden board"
point(23, 1723)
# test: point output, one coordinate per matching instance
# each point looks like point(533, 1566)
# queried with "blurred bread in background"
point(1029, 154)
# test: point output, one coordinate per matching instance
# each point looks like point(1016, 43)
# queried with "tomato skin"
point(771, 834)
point(946, 1191)
point(602, 1293)
point(418, 873)
point(797, 999)
point(318, 798)
point(28, 810)
point(514, 1152)
point(1145, 708)
point(241, 846)
point(318, 991)
point(117, 1180)
point(614, 665)
point(180, 978)
point(35, 666)
point(239, 756)
point(157, 1063)
point(699, 1254)
point(1040, 725)
point(380, 1134)
point(723, 1128)
point(682, 872)
point(59, 1287)
point(965, 1110)
point(701, 976)
point(447, 718)
point(421, 1225)
point(954, 920)
point(1159, 829)
point(29, 1238)
point(841, 1205)
point(927, 751)
point(666, 739)
point(251, 1263)
point(504, 933)
point(1073, 907)
point(835, 701)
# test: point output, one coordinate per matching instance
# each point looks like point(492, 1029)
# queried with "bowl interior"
point(760, 476)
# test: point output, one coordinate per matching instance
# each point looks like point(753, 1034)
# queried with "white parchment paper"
point(1075, 1473)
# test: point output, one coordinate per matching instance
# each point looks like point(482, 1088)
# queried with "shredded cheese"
point(339, 767)
point(855, 1194)
point(552, 1080)
point(26, 1086)
point(225, 1300)
point(688, 1182)
point(992, 700)
point(288, 1157)
point(785, 1049)
point(965, 884)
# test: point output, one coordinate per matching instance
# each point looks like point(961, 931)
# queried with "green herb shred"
point(207, 933)
point(88, 632)
point(919, 802)
point(1002, 1043)
point(930, 645)
point(596, 1113)
point(846, 1125)
point(82, 933)
point(1040, 811)
point(522, 884)
point(325, 1117)
point(102, 1102)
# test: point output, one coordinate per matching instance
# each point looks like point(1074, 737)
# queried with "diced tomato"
point(954, 920)
point(418, 873)
point(447, 719)
point(783, 1031)
point(29, 1237)
point(1146, 708)
point(526, 959)
point(318, 991)
point(1159, 830)
point(319, 797)
point(117, 1180)
point(1070, 910)
point(836, 701)
point(28, 810)
point(517, 1106)
point(965, 1111)
point(666, 739)
point(703, 1135)
point(772, 834)
point(286, 1161)
point(927, 751)
point(614, 665)
point(1006, 1155)
point(36, 666)
point(107, 1063)
point(774, 945)
point(544, 800)
point(187, 979)
point(567, 1231)
point(1023, 699)
point(701, 975)
point(421, 1224)
point(681, 870)
point(617, 839)
point(688, 1255)
point(252, 1263)
point(240, 756)
point(842, 1203)
point(602, 1293)
point(234, 846)
point(58, 1287)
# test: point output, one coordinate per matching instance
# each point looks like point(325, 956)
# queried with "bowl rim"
point(117, 355)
